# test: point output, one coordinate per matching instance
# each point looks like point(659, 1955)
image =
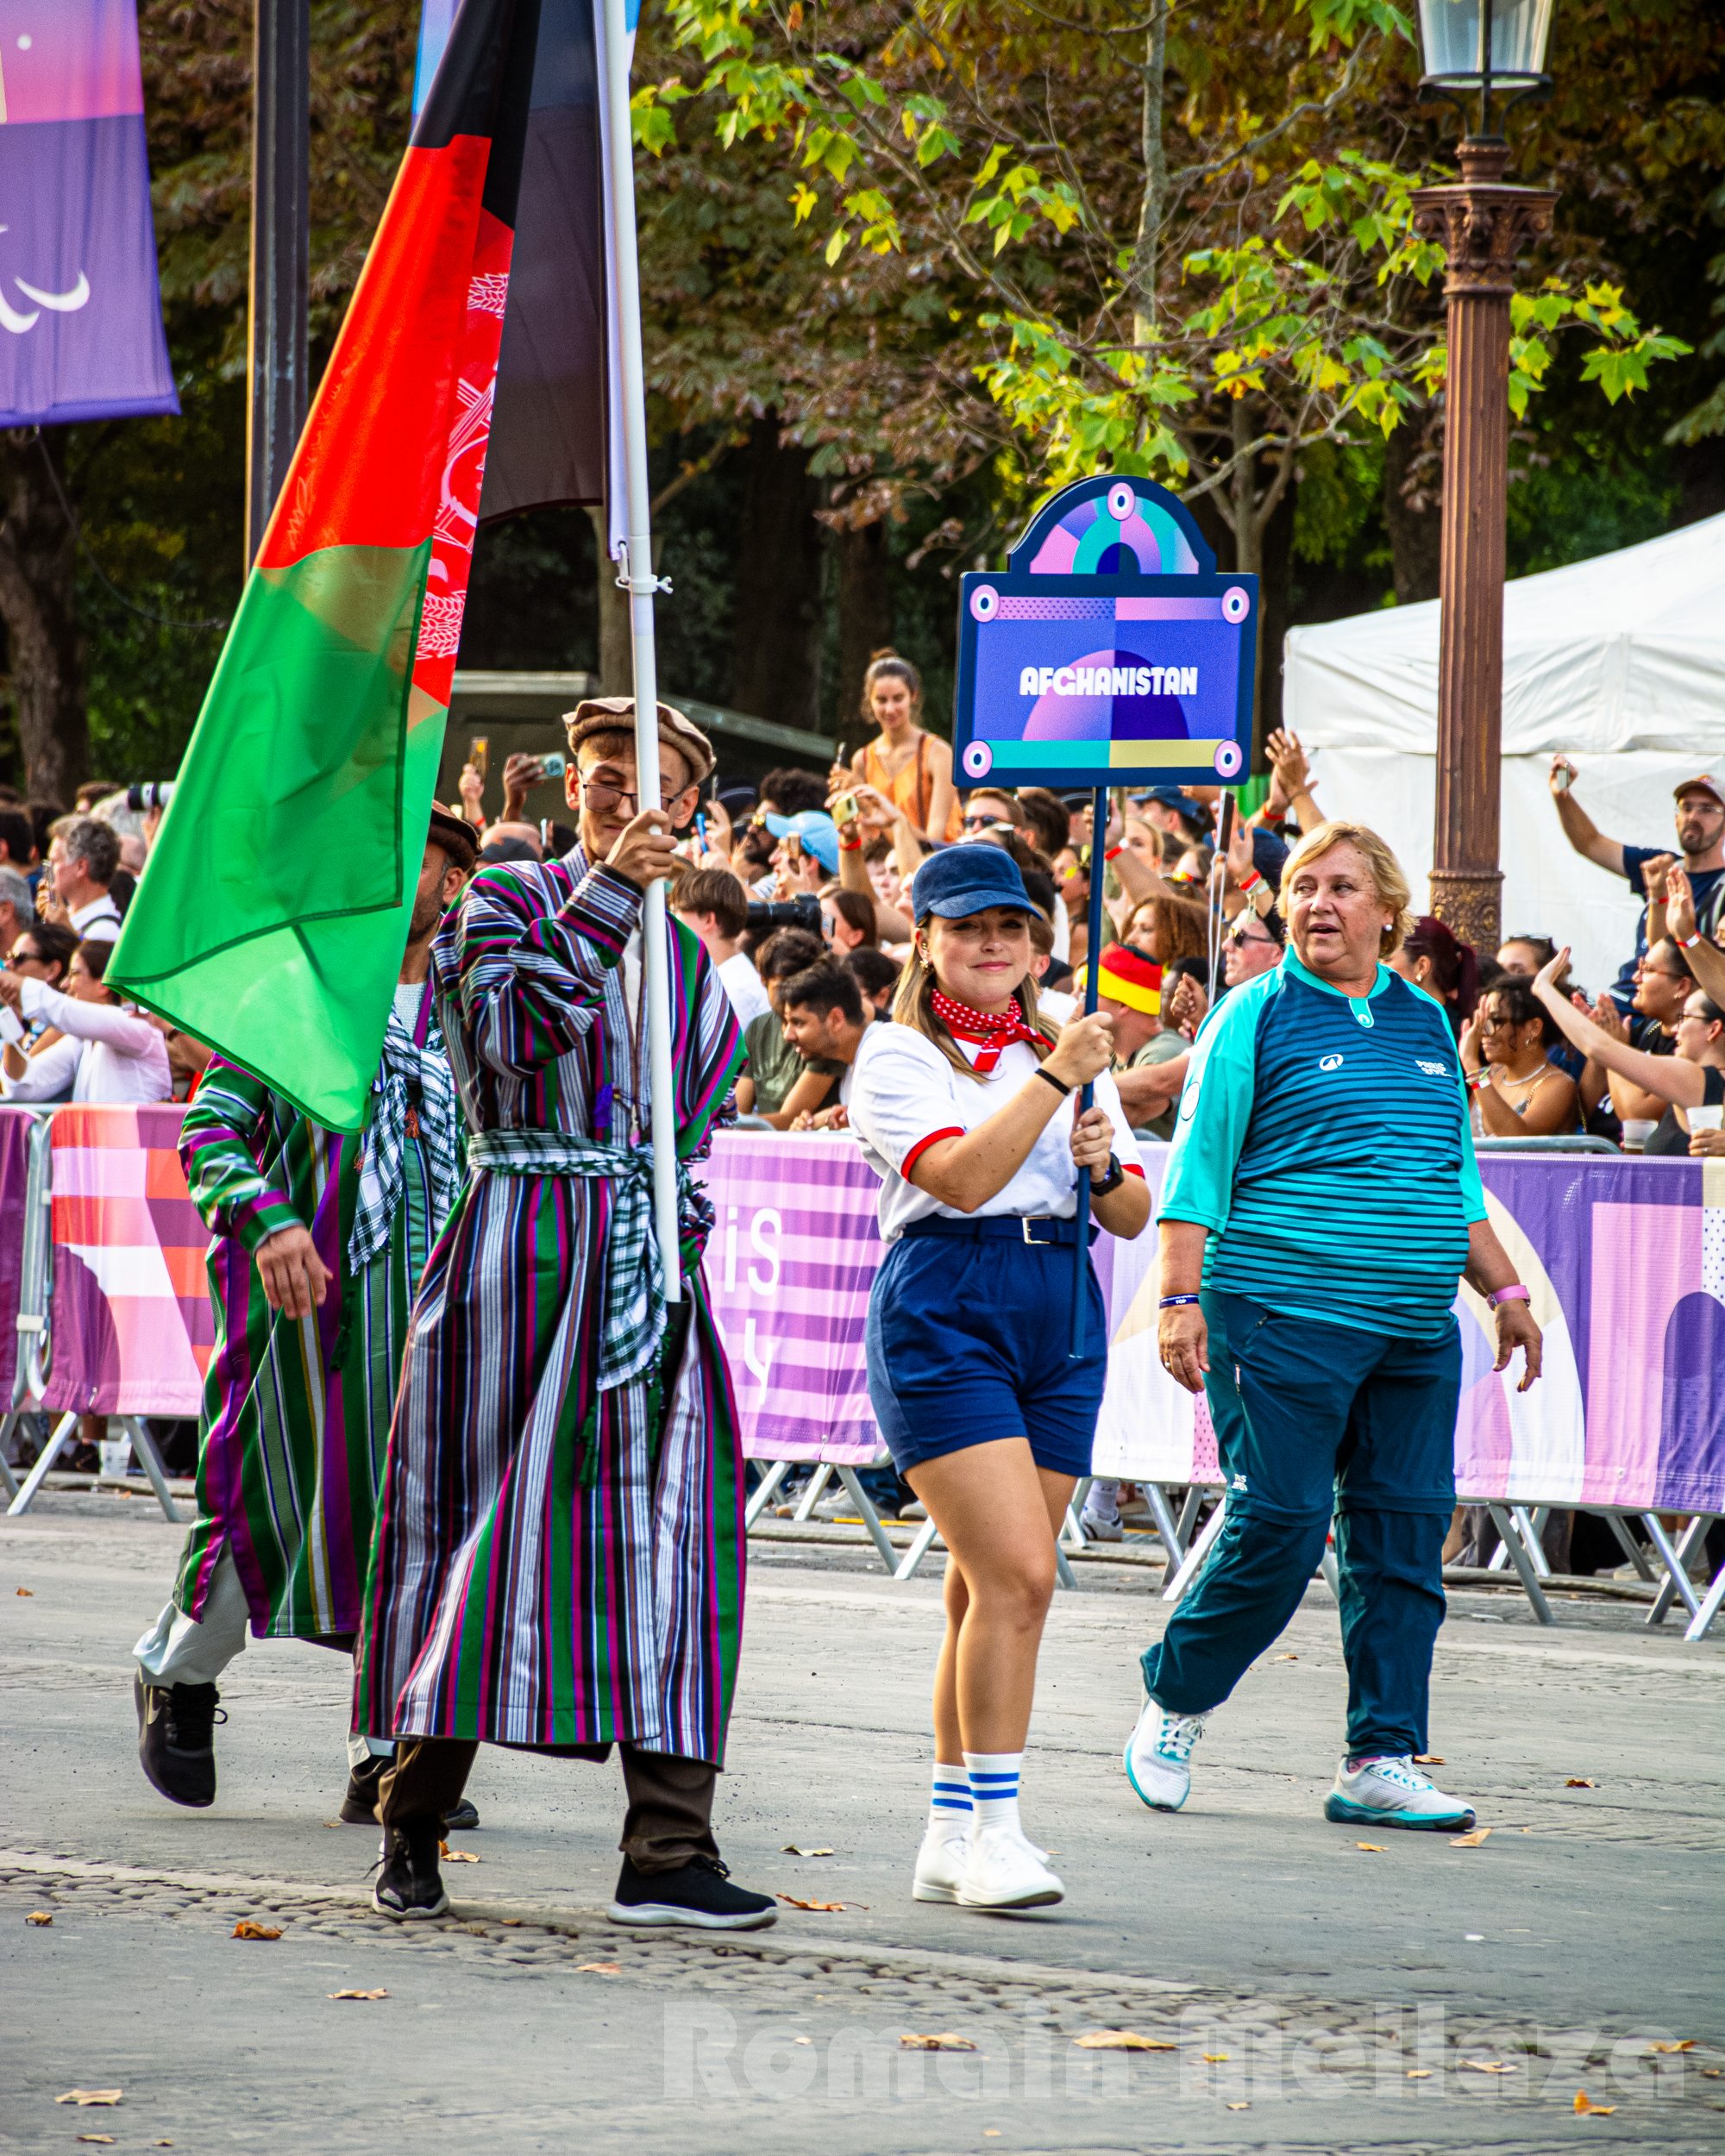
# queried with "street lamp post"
point(1495, 53)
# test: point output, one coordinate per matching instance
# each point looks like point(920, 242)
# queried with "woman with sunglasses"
point(1693, 1078)
point(106, 1052)
point(966, 1111)
point(1518, 1091)
point(40, 953)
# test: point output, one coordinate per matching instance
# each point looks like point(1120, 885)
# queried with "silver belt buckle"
point(1027, 1221)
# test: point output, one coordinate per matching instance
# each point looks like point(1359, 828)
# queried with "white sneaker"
point(1097, 1529)
point(1158, 1755)
point(1389, 1792)
point(1003, 1870)
point(941, 1860)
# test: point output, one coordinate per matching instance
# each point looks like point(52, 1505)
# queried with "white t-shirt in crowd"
point(902, 1094)
point(1056, 1006)
point(743, 985)
point(100, 919)
point(107, 1052)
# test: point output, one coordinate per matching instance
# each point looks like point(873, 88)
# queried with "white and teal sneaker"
point(1392, 1792)
point(1158, 1755)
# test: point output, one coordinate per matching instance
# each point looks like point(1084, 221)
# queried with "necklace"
point(1532, 1083)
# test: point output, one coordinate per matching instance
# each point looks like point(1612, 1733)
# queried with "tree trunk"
point(38, 603)
point(865, 618)
point(1413, 508)
point(779, 563)
point(1145, 257)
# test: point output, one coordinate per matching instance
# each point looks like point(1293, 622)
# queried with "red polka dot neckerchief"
point(995, 1030)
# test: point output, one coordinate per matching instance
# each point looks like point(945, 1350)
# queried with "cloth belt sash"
point(632, 1277)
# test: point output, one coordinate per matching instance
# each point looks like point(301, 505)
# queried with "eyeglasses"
point(602, 794)
point(1244, 935)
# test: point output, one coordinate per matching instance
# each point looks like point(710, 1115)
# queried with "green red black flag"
point(273, 914)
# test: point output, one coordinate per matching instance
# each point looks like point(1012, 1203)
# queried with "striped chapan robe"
point(559, 1563)
point(296, 1411)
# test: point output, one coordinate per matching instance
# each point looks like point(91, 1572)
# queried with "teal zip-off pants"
point(1312, 1419)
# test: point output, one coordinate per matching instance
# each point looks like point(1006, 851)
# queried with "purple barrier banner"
point(15, 1125)
point(79, 301)
point(1626, 1259)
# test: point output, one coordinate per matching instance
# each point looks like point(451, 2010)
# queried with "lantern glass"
point(1452, 33)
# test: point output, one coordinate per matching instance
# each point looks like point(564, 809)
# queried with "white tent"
point(1619, 660)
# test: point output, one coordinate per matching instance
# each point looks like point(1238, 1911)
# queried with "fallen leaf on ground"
point(792, 1850)
point(802, 2039)
point(332, 1822)
point(456, 1856)
point(1284, 1658)
point(1586, 2108)
point(936, 2043)
point(82, 2096)
point(107, 2139)
point(599, 1969)
point(38, 1916)
point(1377, 1848)
point(991, 2132)
point(1121, 2039)
point(246, 1929)
point(514, 1924)
point(1215, 2058)
point(1580, 1782)
point(356, 1995)
point(1688, 2044)
point(1430, 1759)
point(827, 1908)
point(1239, 2107)
point(1712, 2072)
point(1489, 2066)
point(30, 1591)
point(1469, 1841)
point(1419, 2073)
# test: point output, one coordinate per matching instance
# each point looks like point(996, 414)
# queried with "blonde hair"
point(914, 1006)
point(1389, 884)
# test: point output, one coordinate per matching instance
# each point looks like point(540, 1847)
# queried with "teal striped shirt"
point(1323, 1140)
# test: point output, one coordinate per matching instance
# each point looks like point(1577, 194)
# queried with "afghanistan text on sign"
point(1108, 652)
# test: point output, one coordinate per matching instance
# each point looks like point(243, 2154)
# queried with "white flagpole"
point(655, 984)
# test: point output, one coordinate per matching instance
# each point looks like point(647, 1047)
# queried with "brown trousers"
point(669, 1818)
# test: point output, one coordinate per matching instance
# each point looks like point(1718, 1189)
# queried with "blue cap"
point(1174, 798)
point(961, 879)
point(817, 830)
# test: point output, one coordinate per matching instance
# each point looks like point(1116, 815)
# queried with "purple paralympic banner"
point(1626, 1260)
point(80, 306)
point(15, 1125)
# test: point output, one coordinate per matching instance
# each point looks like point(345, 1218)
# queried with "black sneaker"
point(359, 1805)
point(698, 1892)
point(461, 1818)
point(175, 1738)
point(409, 1889)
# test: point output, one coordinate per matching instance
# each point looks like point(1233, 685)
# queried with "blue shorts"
point(969, 1329)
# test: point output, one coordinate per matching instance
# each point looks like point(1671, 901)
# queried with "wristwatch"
point(1100, 1186)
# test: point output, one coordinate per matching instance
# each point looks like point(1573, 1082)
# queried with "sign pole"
point(655, 984)
point(1092, 968)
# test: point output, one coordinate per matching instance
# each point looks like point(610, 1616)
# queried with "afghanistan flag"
point(469, 382)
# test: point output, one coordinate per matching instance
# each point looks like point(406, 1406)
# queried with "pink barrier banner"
point(1626, 1259)
point(15, 1125)
point(132, 1329)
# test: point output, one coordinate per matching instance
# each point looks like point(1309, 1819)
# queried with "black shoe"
point(461, 1817)
point(409, 1889)
point(698, 1892)
point(177, 1740)
point(359, 1805)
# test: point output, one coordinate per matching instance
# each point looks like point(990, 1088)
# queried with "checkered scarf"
point(396, 1118)
point(632, 1289)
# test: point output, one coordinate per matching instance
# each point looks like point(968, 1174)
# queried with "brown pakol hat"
point(612, 714)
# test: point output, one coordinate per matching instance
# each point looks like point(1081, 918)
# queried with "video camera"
point(800, 913)
point(155, 793)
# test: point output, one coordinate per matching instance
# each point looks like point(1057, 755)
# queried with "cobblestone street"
point(1435, 1997)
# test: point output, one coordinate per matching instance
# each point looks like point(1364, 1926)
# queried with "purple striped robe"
point(530, 1586)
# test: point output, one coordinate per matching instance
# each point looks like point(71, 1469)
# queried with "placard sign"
point(1109, 652)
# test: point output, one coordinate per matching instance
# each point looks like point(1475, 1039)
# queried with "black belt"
point(1039, 1230)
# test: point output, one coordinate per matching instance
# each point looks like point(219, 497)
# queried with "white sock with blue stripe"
point(948, 1802)
point(993, 1788)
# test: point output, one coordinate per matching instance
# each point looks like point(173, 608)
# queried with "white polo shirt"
point(903, 1095)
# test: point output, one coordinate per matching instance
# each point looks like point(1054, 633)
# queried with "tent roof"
point(1625, 651)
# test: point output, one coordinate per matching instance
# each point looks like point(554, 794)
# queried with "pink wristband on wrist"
point(1517, 1293)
